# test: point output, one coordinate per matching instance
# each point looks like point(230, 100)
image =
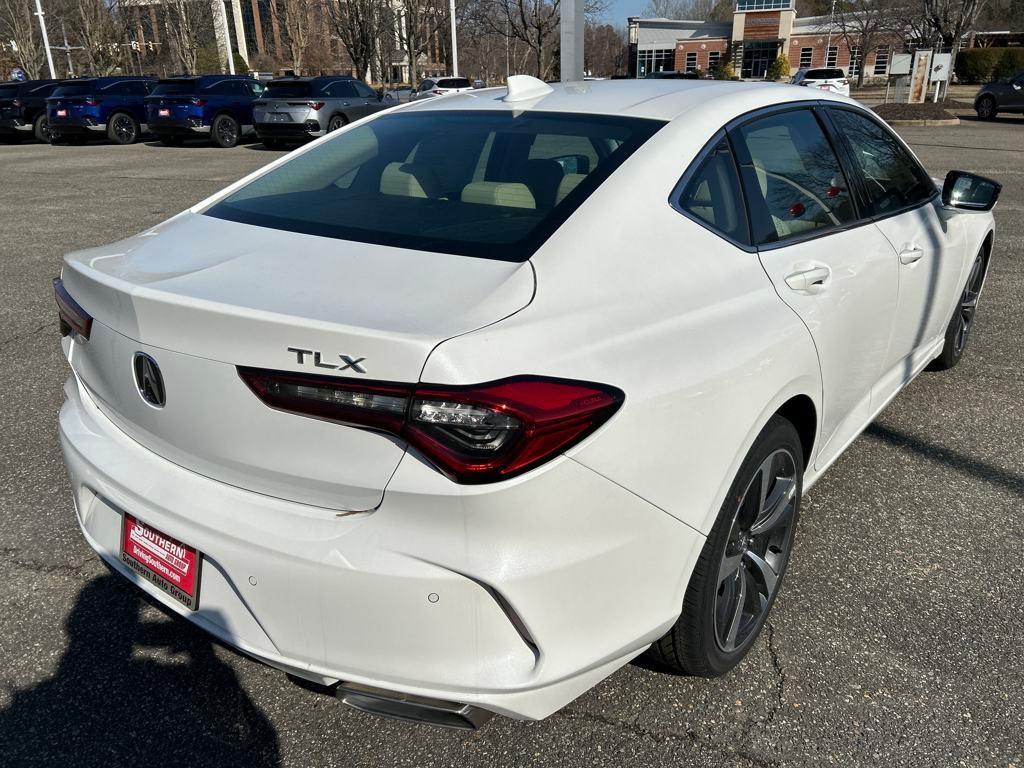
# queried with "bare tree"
point(681, 9)
point(534, 23)
point(867, 24)
point(419, 21)
point(604, 50)
point(186, 24)
point(360, 25)
point(19, 31)
point(296, 29)
point(950, 20)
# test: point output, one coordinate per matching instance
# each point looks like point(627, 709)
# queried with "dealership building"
point(759, 31)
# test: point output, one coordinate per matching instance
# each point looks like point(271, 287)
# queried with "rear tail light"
point(438, 91)
point(844, 82)
point(92, 102)
point(473, 434)
point(315, 105)
point(73, 319)
point(198, 102)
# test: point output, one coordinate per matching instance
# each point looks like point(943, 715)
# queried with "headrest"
point(395, 181)
point(569, 182)
point(505, 194)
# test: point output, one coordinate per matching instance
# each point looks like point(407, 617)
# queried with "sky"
point(618, 10)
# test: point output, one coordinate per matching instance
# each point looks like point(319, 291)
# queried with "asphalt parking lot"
point(898, 639)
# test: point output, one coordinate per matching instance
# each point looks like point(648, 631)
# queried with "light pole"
point(46, 39)
point(455, 42)
point(831, 25)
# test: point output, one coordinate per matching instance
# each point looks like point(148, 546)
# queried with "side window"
point(426, 85)
point(341, 89)
point(792, 178)
point(712, 195)
point(364, 90)
point(893, 179)
point(256, 88)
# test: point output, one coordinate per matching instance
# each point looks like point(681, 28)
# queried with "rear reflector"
point(473, 434)
point(73, 319)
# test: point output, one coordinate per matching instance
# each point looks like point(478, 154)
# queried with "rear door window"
point(456, 182)
point(76, 89)
point(178, 88)
point(364, 90)
point(454, 82)
point(792, 179)
point(341, 89)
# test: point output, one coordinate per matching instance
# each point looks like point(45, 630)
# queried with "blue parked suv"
point(217, 106)
point(88, 107)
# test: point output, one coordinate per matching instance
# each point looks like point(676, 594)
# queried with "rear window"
point(454, 82)
point(178, 88)
point(285, 90)
point(78, 89)
point(824, 74)
point(486, 184)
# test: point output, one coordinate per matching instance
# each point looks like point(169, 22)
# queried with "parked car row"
point(222, 108)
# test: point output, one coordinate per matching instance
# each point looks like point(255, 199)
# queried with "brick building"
point(758, 32)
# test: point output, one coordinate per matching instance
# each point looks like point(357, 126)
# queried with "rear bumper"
point(178, 128)
point(515, 598)
point(289, 131)
point(79, 126)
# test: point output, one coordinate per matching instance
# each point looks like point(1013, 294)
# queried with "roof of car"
point(655, 99)
point(310, 79)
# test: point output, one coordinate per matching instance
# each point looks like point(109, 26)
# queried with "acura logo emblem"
point(149, 381)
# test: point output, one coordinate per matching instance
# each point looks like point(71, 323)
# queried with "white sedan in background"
point(830, 79)
point(464, 406)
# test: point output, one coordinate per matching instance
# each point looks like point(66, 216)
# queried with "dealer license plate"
point(62, 113)
point(163, 561)
point(163, 112)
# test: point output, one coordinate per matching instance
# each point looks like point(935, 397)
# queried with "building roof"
point(654, 99)
point(665, 32)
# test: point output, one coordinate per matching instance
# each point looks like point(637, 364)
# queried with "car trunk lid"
point(200, 296)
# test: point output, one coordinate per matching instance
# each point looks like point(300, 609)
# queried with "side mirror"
point(970, 192)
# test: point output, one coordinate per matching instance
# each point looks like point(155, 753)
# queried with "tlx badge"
point(347, 363)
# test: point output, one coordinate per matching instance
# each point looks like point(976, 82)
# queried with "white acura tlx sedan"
point(462, 407)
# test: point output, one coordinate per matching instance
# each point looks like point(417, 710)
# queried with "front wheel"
point(740, 569)
point(986, 108)
point(122, 128)
point(41, 128)
point(962, 322)
point(225, 131)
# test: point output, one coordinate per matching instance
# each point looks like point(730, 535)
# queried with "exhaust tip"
point(411, 708)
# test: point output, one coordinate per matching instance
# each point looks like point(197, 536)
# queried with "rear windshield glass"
point(454, 82)
point(487, 184)
point(179, 88)
point(8, 91)
point(824, 74)
point(283, 90)
point(79, 89)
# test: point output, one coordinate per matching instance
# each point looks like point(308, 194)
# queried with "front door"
point(835, 272)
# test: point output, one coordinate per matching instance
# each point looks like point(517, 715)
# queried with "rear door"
point(833, 269)
point(367, 97)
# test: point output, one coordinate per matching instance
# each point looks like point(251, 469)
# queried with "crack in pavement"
point(779, 672)
point(10, 556)
point(27, 334)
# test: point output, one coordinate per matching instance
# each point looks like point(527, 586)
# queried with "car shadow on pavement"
point(133, 691)
point(983, 470)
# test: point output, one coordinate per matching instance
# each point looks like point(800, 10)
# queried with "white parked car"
point(440, 86)
point(465, 406)
point(829, 79)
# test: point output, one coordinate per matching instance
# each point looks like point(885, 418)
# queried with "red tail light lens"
point(92, 102)
point(73, 319)
point(474, 434)
point(315, 105)
point(199, 102)
point(438, 91)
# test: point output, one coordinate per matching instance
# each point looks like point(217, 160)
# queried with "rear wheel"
point(336, 122)
point(225, 131)
point(962, 322)
point(740, 569)
point(41, 128)
point(986, 108)
point(122, 128)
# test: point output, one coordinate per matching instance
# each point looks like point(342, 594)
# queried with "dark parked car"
point(90, 107)
point(670, 74)
point(216, 106)
point(298, 108)
point(23, 108)
point(1002, 96)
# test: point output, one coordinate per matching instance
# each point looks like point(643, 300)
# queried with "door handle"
point(811, 280)
point(911, 254)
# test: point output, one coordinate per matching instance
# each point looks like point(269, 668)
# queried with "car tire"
point(170, 140)
point(336, 122)
point(743, 560)
point(122, 128)
point(960, 325)
point(41, 128)
point(225, 131)
point(986, 108)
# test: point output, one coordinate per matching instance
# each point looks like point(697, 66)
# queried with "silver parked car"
point(439, 86)
point(297, 108)
point(398, 95)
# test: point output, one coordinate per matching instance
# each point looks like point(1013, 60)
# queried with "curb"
point(925, 123)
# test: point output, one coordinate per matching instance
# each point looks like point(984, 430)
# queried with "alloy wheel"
point(969, 304)
point(334, 124)
point(985, 108)
point(226, 132)
point(756, 551)
point(124, 129)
